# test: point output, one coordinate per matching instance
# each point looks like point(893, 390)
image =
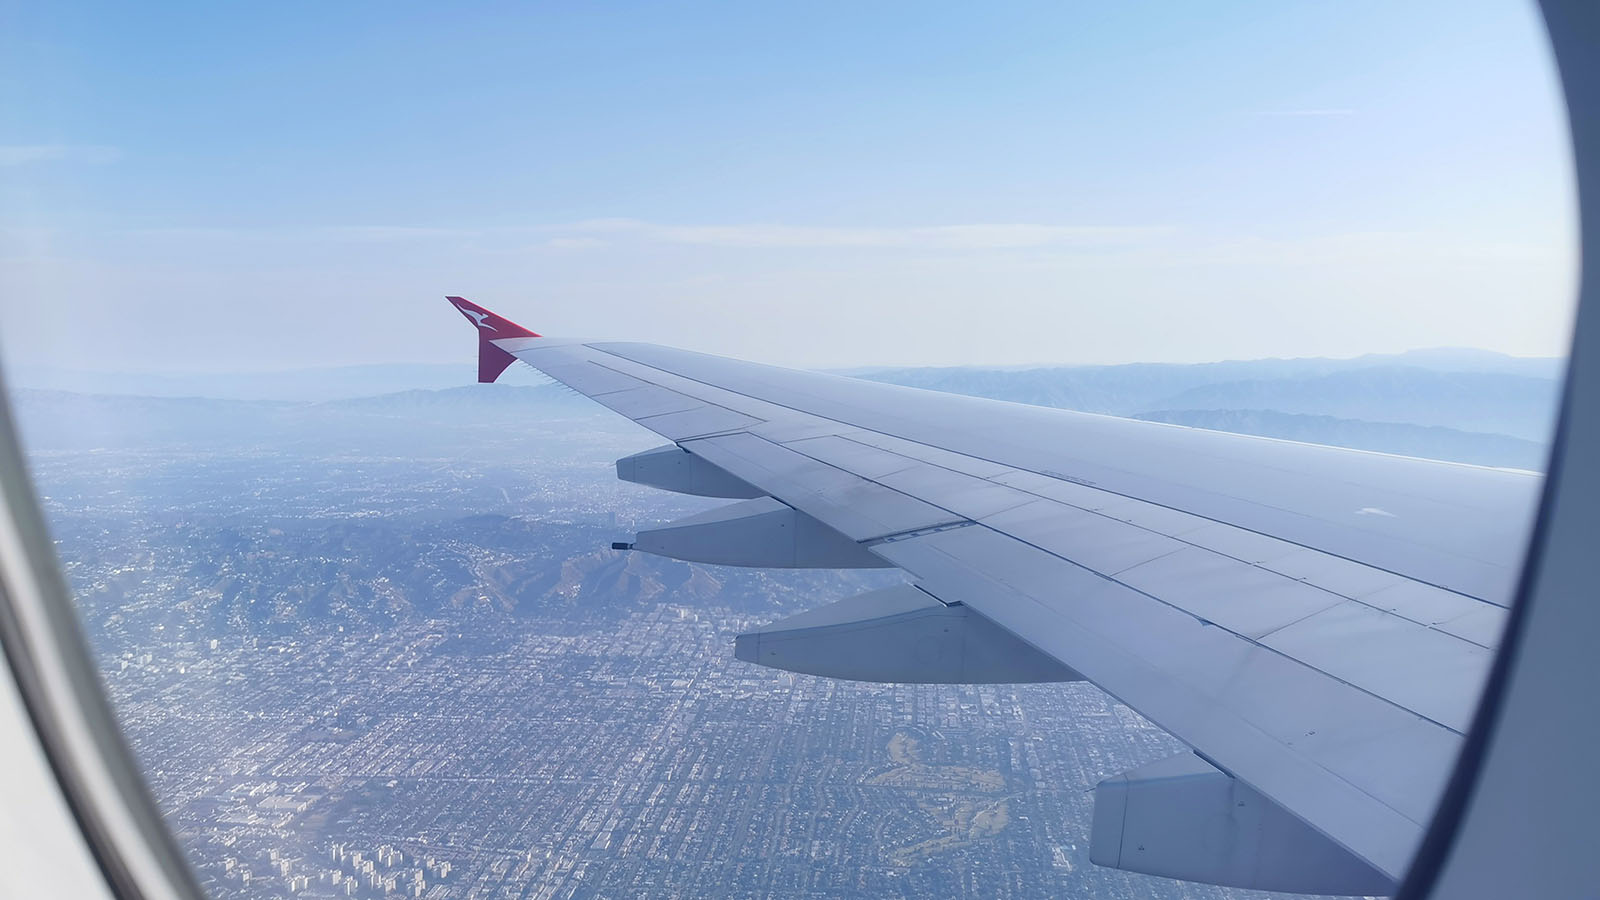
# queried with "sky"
point(237, 187)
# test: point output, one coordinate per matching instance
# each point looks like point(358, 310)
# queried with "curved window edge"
point(55, 676)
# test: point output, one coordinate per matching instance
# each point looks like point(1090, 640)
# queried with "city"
point(383, 654)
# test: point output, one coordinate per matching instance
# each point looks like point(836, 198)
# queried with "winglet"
point(492, 360)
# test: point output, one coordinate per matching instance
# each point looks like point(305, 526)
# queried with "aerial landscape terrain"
point(367, 638)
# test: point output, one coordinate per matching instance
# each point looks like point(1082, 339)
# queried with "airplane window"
point(374, 629)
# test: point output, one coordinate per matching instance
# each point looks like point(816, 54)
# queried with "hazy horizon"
point(1461, 405)
point(468, 363)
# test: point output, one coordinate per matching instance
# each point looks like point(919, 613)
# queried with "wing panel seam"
point(1047, 474)
point(1212, 624)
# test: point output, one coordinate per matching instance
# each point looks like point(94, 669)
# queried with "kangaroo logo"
point(477, 318)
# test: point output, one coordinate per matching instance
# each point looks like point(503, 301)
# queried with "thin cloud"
point(599, 233)
point(386, 233)
point(574, 243)
point(1098, 245)
point(1332, 112)
point(934, 237)
point(29, 154)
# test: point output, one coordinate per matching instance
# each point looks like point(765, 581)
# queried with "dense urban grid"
point(379, 652)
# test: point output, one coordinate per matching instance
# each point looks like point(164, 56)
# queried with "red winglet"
point(491, 359)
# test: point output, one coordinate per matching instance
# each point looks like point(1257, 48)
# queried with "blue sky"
point(210, 186)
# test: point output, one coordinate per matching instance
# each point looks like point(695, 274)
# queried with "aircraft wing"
point(1315, 623)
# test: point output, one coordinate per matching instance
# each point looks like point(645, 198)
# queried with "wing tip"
point(492, 359)
point(490, 325)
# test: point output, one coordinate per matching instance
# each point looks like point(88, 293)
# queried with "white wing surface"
point(1315, 623)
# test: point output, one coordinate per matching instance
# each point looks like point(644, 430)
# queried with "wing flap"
point(1413, 666)
point(762, 532)
point(590, 379)
point(672, 468)
point(1183, 818)
point(899, 634)
point(701, 421)
point(647, 400)
point(861, 509)
point(1361, 770)
point(964, 495)
point(1242, 598)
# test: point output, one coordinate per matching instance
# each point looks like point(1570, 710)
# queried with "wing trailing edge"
point(1184, 818)
point(898, 635)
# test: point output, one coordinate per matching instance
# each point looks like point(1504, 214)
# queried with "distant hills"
point(326, 383)
point(344, 382)
point(1469, 390)
point(1469, 406)
point(1426, 441)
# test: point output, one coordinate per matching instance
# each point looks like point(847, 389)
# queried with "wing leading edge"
point(1315, 623)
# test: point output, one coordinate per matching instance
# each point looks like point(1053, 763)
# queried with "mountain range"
point(1461, 405)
